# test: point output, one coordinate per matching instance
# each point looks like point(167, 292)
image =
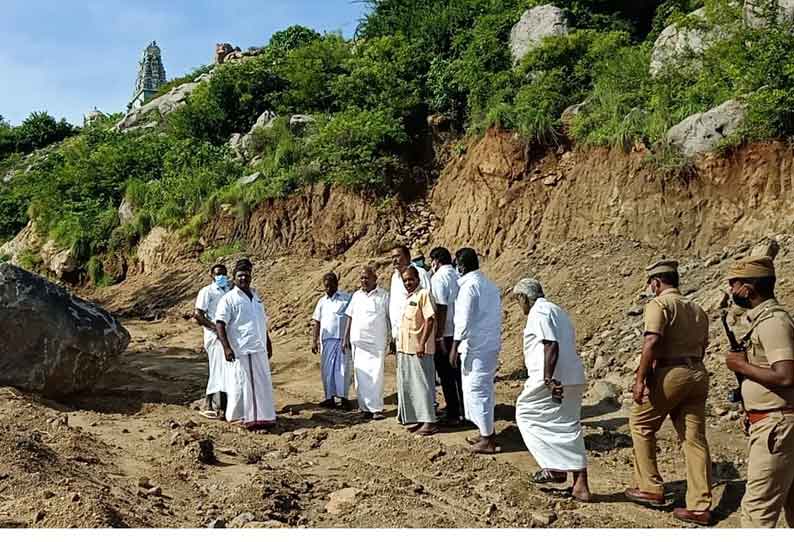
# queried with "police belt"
point(676, 362)
point(755, 416)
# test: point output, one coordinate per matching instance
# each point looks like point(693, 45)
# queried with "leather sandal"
point(545, 476)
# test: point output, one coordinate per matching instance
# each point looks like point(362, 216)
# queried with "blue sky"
point(67, 56)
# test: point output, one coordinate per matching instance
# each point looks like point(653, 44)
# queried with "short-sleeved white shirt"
point(207, 301)
point(246, 321)
point(547, 321)
point(330, 312)
point(478, 315)
point(444, 287)
point(369, 317)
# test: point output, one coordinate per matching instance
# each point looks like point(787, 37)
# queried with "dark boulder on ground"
point(52, 342)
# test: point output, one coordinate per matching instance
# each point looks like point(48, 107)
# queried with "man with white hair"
point(548, 410)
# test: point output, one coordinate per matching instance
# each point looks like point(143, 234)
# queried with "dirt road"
point(82, 464)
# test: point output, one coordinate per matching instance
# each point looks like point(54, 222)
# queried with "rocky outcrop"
point(61, 262)
point(151, 112)
point(27, 241)
point(757, 17)
point(244, 146)
point(679, 45)
point(61, 344)
point(222, 50)
point(46, 255)
point(298, 123)
point(535, 24)
point(126, 211)
point(702, 132)
point(152, 249)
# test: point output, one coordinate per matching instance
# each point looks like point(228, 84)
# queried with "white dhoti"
point(368, 362)
point(335, 369)
point(258, 408)
point(233, 382)
point(217, 372)
point(552, 431)
point(479, 399)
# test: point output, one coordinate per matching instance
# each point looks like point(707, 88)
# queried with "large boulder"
point(56, 344)
point(246, 145)
point(702, 132)
point(61, 262)
point(535, 24)
point(153, 110)
point(756, 16)
point(684, 44)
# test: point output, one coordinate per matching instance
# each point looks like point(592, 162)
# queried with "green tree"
point(291, 38)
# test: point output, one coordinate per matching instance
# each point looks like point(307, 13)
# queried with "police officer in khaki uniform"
point(671, 380)
point(768, 393)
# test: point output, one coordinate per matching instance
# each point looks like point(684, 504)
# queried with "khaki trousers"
point(679, 392)
point(770, 472)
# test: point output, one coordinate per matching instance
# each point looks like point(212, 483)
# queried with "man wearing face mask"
point(672, 380)
point(768, 392)
point(204, 314)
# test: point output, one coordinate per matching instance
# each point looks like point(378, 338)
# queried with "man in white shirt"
point(241, 322)
point(475, 347)
point(444, 287)
point(217, 404)
point(367, 336)
point(401, 260)
point(328, 325)
point(548, 411)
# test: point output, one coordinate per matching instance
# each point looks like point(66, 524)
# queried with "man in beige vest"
point(671, 380)
point(767, 367)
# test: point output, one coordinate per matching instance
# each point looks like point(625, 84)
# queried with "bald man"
point(367, 337)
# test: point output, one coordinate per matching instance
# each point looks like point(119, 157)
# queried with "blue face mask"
point(222, 281)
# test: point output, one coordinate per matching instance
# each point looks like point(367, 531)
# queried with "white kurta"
point(398, 298)
point(369, 336)
point(552, 431)
point(246, 329)
point(478, 327)
point(207, 301)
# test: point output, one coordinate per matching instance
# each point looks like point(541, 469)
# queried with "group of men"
point(446, 322)
point(443, 322)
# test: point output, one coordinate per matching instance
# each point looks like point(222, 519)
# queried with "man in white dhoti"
point(219, 390)
point(329, 324)
point(549, 409)
point(475, 347)
point(241, 322)
point(367, 336)
point(401, 260)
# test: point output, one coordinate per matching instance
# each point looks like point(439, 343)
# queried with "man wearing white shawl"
point(548, 410)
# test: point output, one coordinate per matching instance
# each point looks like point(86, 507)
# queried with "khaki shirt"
point(418, 308)
point(681, 323)
point(771, 340)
